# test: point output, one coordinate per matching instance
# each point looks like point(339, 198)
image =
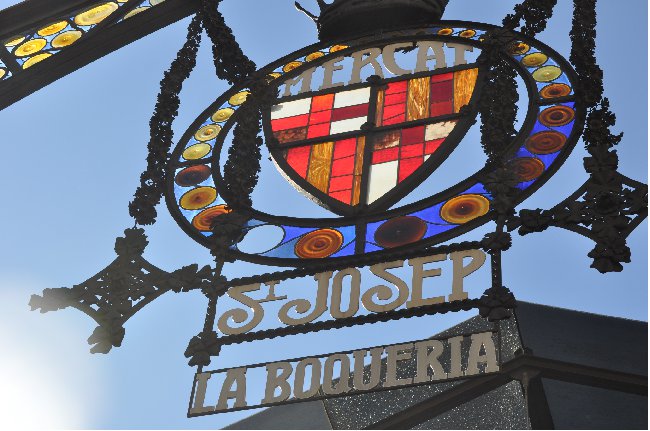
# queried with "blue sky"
point(73, 155)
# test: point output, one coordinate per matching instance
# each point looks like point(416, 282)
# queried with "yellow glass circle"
point(467, 33)
point(35, 59)
point(135, 11)
point(547, 74)
point(314, 55)
point(534, 60)
point(292, 65)
point(335, 48)
point(445, 31)
point(96, 14)
point(2, 73)
point(197, 151)
point(222, 115)
point(207, 133)
point(273, 75)
point(198, 198)
point(66, 38)
point(239, 98)
point(30, 47)
point(464, 208)
point(52, 28)
point(14, 41)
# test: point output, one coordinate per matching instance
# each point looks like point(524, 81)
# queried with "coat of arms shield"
point(361, 148)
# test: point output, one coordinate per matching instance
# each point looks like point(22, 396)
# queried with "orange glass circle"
point(557, 116)
point(319, 244)
point(527, 168)
point(336, 48)
point(314, 55)
point(445, 31)
point(546, 142)
point(552, 91)
point(292, 65)
point(464, 208)
point(203, 220)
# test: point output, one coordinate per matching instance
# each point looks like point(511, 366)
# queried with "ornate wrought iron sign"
point(345, 373)
point(356, 123)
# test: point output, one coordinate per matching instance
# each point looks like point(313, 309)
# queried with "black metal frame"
point(534, 103)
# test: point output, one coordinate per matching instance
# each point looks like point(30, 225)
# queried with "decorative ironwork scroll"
point(115, 294)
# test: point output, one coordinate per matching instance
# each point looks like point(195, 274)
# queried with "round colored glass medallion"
point(319, 244)
point(239, 98)
point(314, 55)
point(96, 15)
point(557, 116)
point(30, 47)
point(197, 151)
point(464, 208)
point(552, 91)
point(527, 168)
point(290, 66)
point(203, 220)
point(222, 115)
point(207, 133)
point(534, 60)
point(193, 175)
point(35, 59)
point(400, 231)
point(546, 142)
point(547, 74)
point(14, 41)
point(198, 198)
point(67, 38)
point(52, 28)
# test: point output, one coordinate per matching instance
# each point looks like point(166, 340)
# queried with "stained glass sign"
point(358, 125)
